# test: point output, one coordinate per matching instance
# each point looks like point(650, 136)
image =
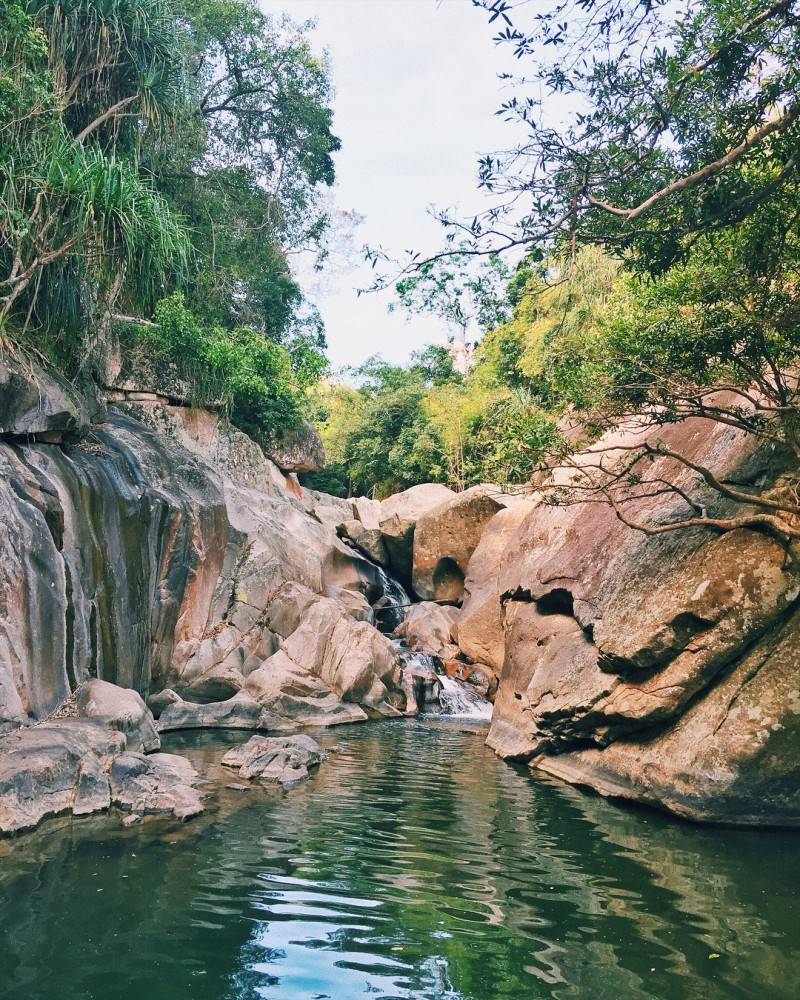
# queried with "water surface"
point(413, 864)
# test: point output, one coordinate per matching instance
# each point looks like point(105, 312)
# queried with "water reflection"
point(414, 864)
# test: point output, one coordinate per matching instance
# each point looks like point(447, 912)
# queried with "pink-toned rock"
point(445, 538)
point(616, 639)
point(480, 627)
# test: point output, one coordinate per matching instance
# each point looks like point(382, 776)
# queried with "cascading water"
point(463, 701)
point(432, 691)
point(390, 606)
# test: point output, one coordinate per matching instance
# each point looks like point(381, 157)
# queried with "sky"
point(416, 92)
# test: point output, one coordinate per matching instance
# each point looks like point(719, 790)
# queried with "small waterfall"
point(390, 606)
point(460, 700)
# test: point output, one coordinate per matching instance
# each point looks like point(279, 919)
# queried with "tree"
point(682, 121)
point(461, 293)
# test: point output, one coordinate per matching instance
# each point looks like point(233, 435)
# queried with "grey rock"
point(156, 783)
point(282, 760)
point(121, 709)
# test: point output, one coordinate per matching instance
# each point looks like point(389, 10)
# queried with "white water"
point(459, 699)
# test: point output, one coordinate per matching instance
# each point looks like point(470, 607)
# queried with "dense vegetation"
point(159, 163)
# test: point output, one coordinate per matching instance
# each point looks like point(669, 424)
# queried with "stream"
point(413, 864)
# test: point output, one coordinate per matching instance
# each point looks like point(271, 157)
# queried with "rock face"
point(398, 519)
point(141, 557)
point(278, 760)
point(481, 635)
point(445, 538)
point(37, 403)
point(651, 666)
point(208, 436)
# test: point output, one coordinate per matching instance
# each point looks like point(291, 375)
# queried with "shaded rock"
point(37, 402)
point(277, 760)
point(121, 709)
point(445, 538)
point(369, 540)
point(297, 450)
point(52, 768)
point(398, 518)
point(156, 783)
point(481, 635)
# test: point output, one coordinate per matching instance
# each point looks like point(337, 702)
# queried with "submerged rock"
point(278, 760)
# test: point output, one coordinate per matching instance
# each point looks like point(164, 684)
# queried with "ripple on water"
point(414, 864)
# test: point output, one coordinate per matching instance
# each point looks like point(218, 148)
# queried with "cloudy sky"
point(416, 91)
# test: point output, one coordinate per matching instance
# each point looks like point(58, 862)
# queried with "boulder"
point(276, 760)
point(330, 668)
point(445, 538)
point(398, 519)
point(121, 709)
point(369, 540)
point(157, 783)
point(297, 450)
point(731, 758)
point(239, 712)
point(53, 768)
point(430, 628)
point(481, 636)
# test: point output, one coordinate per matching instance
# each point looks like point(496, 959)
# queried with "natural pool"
point(413, 864)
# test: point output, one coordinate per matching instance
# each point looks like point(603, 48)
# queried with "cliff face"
point(125, 557)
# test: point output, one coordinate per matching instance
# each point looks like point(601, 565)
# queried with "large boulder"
point(398, 519)
point(615, 639)
point(53, 768)
point(481, 635)
point(731, 758)
point(296, 450)
point(445, 538)
point(430, 628)
point(330, 668)
point(121, 709)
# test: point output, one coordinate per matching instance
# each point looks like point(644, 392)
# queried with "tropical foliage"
point(159, 163)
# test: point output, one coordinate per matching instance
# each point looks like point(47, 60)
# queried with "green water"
point(413, 864)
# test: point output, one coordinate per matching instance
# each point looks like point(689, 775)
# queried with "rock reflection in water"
point(413, 864)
